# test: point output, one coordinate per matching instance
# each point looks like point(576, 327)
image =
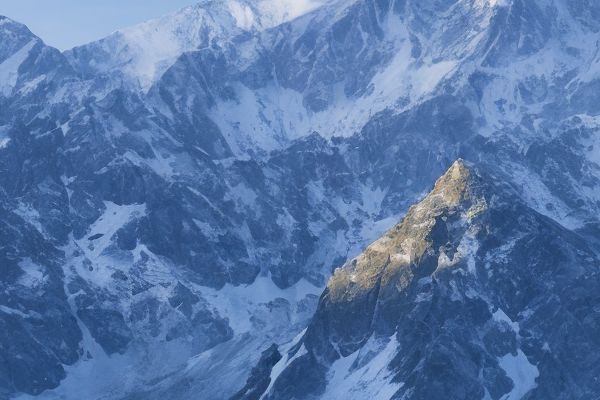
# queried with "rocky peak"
point(453, 186)
point(455, 199)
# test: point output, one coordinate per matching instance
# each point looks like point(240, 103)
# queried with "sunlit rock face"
point(176, 196)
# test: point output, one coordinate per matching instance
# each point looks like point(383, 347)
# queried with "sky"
point(68, 23)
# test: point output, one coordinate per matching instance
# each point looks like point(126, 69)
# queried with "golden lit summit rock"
point(388, 260)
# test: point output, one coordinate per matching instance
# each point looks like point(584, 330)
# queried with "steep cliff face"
point(471, 296)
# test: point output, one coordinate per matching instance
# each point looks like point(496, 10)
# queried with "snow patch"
point(276, 12)
point(373, 380)
point(33, 274)
point(238, 302)
point(102, 230)
point(285, 360)
point(243, 14)
point(31, 215)
point(9, 69)
point(91, 260)
point(521, 372)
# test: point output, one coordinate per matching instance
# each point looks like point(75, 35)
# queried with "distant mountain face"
point(143, 53)
point(175, 196)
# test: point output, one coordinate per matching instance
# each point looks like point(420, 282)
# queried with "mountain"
point(142, 53)
point(473, 295)
point(176, 196)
